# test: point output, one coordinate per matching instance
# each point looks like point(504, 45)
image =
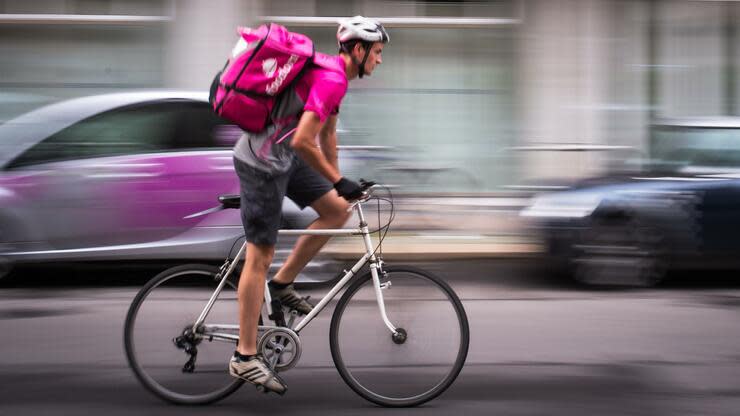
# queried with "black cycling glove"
point(347, 189)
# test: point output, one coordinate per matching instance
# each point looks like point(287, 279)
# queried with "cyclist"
point(294, 165)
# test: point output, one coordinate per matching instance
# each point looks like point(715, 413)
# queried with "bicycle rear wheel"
point(158, 336)
point(408, 370)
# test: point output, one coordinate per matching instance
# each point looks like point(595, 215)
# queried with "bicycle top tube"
point(326, 231)
point(231, 201)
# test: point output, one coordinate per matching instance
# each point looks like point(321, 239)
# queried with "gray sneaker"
point(257, 372)
point(291, 299)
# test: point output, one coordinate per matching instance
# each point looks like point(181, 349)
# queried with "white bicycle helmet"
point(360, 29)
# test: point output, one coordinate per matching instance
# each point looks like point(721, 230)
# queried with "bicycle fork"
point(375, 265)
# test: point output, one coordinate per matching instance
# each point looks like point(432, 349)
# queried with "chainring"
point(280, 347)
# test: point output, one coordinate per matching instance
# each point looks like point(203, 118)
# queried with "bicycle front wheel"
point(424, 357)
point(172, 361)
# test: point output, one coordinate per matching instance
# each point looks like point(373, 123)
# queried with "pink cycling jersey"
point(320, 90)
point(323, 86)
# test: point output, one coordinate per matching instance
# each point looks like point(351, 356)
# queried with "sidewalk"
point(428, 246)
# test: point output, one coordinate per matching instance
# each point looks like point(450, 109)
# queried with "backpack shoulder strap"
point(326, 62)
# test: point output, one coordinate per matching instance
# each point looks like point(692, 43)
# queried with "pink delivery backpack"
point(264, 62)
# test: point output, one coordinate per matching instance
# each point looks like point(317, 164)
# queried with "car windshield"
point(684, 148)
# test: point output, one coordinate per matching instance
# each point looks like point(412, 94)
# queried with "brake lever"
point(366, 184)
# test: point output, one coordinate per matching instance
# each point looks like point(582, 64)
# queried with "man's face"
point(374, 59)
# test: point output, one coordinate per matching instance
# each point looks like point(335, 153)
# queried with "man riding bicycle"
point(295, 166)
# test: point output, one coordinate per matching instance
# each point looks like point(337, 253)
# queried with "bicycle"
point(421, 335)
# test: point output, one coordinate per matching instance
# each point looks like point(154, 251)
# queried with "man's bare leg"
point(332, 210)
point(251, 292)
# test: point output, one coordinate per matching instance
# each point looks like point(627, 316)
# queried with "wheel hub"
point(400, 336)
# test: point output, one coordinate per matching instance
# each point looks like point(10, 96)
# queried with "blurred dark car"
point(112, 178)
point(679, 210)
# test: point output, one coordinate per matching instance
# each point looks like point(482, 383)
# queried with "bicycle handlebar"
point(366, 194)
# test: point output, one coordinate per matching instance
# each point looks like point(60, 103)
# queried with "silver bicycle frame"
point(368, 256)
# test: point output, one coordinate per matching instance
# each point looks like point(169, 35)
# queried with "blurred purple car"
point(112, 177)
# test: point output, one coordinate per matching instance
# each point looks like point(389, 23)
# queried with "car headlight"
point(562, 206)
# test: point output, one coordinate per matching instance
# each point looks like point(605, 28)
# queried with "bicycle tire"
point(140, 371)
point(394, 305)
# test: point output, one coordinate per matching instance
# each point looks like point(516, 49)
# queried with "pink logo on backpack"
point(262, 64)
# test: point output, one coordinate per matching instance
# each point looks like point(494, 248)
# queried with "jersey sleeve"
point(325, 97)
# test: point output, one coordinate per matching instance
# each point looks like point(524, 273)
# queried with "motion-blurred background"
point(598, 136)
point(478, 107)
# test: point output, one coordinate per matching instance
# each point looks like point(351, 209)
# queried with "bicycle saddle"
point(229, 201)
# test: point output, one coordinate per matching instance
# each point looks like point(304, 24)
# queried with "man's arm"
point(304, 143)
point(328, 141)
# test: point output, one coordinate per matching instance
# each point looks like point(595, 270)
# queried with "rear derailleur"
point(187, 342)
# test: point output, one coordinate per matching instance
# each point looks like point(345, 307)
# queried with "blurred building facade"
point(472, 95)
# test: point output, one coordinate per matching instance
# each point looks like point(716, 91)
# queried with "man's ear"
point(359, 48)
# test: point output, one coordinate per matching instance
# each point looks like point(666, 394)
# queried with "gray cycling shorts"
point(262, 196)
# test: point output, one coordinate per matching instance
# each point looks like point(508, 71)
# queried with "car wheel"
point(6, 266)
point(12, 229)
point(619, 252)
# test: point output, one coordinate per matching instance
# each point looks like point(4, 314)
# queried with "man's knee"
point(336, 211)
point(259, 257)
point(340, 214)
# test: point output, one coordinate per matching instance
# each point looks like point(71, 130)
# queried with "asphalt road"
point(538, 346)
